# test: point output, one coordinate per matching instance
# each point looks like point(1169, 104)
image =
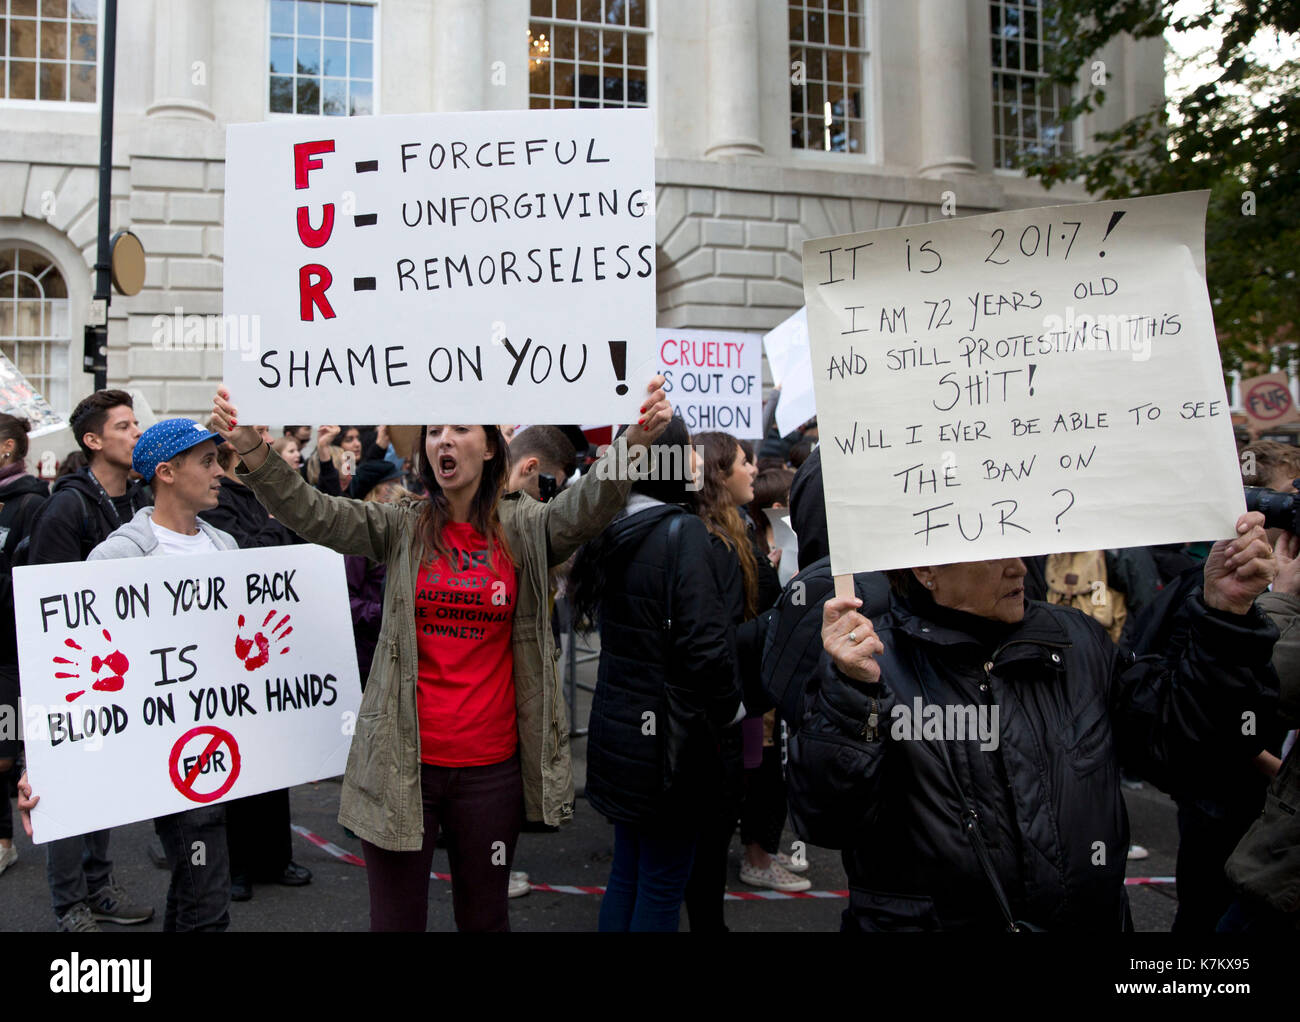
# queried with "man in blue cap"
point(178, 458)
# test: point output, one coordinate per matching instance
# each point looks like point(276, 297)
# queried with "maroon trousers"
point(481, 809)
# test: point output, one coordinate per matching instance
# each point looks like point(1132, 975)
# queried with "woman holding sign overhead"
point(462, 725)
point(964, 747)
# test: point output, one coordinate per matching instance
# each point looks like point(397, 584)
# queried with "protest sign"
point(1020, 383)
point(153, 685)
point(473, 267)
point(788, 354)
point(1267, 401)
point(714, 378)
point(20, 398)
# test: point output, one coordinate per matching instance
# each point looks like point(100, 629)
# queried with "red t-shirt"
point(464, 614)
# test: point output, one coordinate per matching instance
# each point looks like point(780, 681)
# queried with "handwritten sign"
point(152, 685)
point(1020, 383)
point(1267, 401)
point(714, 379)
point(497, 267)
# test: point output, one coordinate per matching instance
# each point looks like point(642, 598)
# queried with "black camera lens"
point(1278, 509)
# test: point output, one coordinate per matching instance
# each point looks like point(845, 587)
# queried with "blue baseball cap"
point(164, 440)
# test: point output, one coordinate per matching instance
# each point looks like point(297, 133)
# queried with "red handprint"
point(244, 647)
point(115, 662)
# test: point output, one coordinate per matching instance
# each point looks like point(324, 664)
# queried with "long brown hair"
point(436, 511)
point(718, 509)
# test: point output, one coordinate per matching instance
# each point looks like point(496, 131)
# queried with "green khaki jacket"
point(381, 785)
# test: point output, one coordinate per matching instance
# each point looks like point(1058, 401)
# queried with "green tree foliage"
point(1235, 134)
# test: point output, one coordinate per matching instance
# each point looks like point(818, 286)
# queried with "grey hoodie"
point(137, 539)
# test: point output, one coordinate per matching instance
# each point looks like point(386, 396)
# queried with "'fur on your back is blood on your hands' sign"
point(157, 684)
point(473, 267)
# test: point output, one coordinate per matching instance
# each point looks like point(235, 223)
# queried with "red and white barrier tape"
point(344, 855)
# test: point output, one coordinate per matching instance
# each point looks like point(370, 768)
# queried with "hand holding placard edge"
point(1239, 570)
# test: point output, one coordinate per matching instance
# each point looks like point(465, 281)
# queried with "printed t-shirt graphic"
point(464, 613)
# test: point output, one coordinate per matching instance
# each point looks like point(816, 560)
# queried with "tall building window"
point(322, 58)
point(588, 53)
point(34, 327)
point(828, 50)
point(49, 49)
point(1026, 121)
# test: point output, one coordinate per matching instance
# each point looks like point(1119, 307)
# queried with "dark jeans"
point(257, 830)
point(1207, 835)
point(198, 897)
point(481, 808)
point(76, 866)
point(762, 813)
point(647, 880)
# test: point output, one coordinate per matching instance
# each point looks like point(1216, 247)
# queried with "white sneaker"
point(1137, 852)
point(518, 884)
point(8, 856)
point(788, 863)
point(775, 877)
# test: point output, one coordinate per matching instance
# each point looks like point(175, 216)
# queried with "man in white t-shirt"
point(178, 458)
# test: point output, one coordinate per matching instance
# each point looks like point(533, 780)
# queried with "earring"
point(929, 585)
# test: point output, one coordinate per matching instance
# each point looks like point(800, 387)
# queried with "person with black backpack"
point(21, 496)
point(84, 507)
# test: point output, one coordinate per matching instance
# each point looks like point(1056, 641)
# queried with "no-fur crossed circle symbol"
point(217, 758)
point(1268, 399)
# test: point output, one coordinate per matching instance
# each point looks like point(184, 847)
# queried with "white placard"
point(134, 669)
point(1020, 383)
point(714, 379)
point(787, 350)
point(494, 267)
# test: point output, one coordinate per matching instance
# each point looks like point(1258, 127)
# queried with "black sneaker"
point(111, 905)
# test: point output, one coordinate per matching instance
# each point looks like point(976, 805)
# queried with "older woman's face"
point(991, 589)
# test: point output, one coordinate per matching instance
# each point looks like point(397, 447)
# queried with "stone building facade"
point(775, 122)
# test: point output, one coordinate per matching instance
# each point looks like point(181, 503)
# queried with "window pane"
point(334, 97)
point(541, 8)
point(83, 10)
point(816, 28)
point(363, 21)
point(566, 9)
point(636, 88)
point(636, 11)
point(54, 40)
point(613, 89)
point(615, 12)
point(54, 81)
point(361, 60)
point(563, 42)
point(591, 10)
point(612, 47)
point(281, 95)
point(22, 38)
point(588, 44)
point(998, 56)
point(336, 57)
point(636, 50)
point(81, 83)
point(282, 16)
point(22, 79)
point(796, 25)
point(336, 20)
point(6, 311)
point(589, 85)
point(362, 99)
point(23, 8)
point(308, 56)
point(281, 54)
point(85, 42)
point(308, 96)
point(54, 8)
point(564, 78)
point(309, 17)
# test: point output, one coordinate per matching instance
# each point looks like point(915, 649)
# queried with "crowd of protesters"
point(736, 691)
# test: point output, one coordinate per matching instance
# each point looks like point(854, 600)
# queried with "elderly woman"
point(964, 749)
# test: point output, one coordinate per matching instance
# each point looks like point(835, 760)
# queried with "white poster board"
point(153, 685)
point(714, 379)
point(496, 267)
point(788, 354)
point(1020, 383)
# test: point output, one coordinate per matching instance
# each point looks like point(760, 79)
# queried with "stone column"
point(460, 71)
point(182, 78)
point(735, 126)
point(945, 88)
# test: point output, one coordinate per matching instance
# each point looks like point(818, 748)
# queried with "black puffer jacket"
point(686, 679)
point(239, 514)
point(78, 517)
point(1071, 708)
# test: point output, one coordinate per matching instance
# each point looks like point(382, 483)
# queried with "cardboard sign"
point(714, 378)
point(1267, 401)
point(788, 354)
point(476, 267)
point(20, 398)
point(152, 685)
point(1020, 383)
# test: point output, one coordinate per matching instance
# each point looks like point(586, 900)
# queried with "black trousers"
point(257, 830)
point(762, 813)
point(708, 883)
